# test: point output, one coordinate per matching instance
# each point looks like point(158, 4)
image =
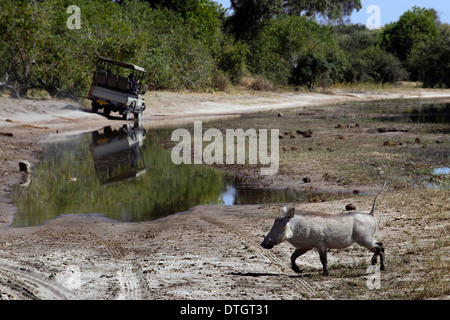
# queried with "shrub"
point(284, 46)
point(366, 60)
point(431, 60)
point(309, 69)
point(413, 28)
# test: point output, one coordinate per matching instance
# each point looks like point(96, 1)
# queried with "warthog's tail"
point(375, 200)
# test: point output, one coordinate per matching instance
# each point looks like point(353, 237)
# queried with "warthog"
point(307, 230)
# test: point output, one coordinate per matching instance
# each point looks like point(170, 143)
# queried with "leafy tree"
point(232, 58)
point(250, 16)
point(21, 41)
point(202, 17)
point(328, 9)
point(413, 28)
point(366, 61)
point(308, 70)
point(431, 60)
point(290, 43)
point(40, 51)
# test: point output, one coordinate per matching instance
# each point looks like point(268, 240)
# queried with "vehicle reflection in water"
point(117, 154)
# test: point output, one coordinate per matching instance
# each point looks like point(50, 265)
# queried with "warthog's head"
point(280, 230)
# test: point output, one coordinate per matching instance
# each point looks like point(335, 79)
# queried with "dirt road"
point(209, 252)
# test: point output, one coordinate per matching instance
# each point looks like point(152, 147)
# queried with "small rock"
point(305, 134)
point(24, 166)
point(294, 148)
point(339, 126)
point(387, 143)
point(306, 179)
point(417, 140)
point(293, 136)
point(350, 207)
point(356, 191)
point(400, 217)
point(310, 149)
point(439, 141)
point(280, 115)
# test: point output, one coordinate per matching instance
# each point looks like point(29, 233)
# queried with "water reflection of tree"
point(163, 189)
point(431, 113)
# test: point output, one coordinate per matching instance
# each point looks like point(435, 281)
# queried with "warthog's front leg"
point(297, 253)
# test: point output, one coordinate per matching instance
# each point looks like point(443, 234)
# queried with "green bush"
point(185, 44)
point(232, 58)
point(290, 43)
point(366, 60)
point(431, 60)
point(179, 52)
point(412, 29)
point(309, 69)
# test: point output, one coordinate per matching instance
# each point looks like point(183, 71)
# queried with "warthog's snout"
point(267, 243)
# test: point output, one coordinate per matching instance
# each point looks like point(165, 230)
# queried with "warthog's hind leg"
point(379, 251)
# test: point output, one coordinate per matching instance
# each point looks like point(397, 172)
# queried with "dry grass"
point(258, 83)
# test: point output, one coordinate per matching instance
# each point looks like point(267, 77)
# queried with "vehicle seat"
point(100, 77)
point(124, 84)
point(112, 81)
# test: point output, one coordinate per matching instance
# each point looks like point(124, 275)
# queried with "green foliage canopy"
point(413, 27)
point(291, 43)
point(189, 44)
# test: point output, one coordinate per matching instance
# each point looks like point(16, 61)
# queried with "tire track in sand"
point(31, 285)
point(131, 278)
point(43, 232)
point(303, 285)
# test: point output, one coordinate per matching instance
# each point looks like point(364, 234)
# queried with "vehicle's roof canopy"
point(122, 64)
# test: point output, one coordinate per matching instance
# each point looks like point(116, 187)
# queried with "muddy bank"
point(211, 252)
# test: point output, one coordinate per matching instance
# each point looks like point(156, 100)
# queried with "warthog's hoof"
point(296, 269)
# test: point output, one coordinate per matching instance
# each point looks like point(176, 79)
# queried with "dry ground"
point(213, 252)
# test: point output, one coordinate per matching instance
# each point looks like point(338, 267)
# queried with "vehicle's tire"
point(126, 115)
point(95, 107)
point(137, 115)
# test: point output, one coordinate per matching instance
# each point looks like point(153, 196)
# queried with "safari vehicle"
point(116, 87)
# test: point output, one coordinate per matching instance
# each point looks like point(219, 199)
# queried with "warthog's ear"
point(290, 214)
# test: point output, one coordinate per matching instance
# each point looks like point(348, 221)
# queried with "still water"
point(126, 175)
point(428, 113)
